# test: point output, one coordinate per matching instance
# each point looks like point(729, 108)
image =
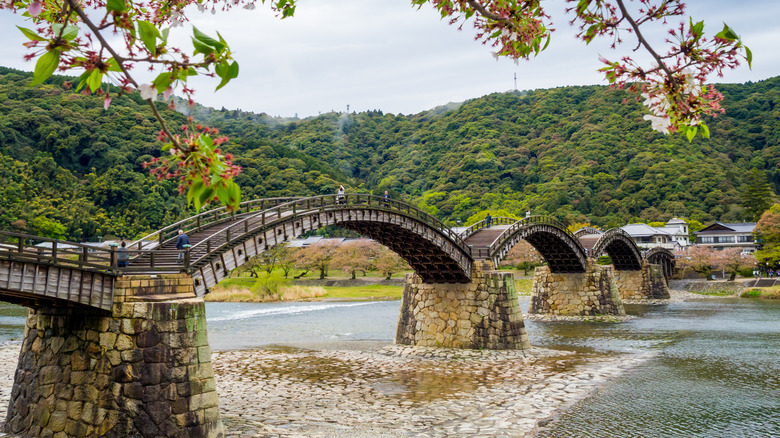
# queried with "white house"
point(673, 236)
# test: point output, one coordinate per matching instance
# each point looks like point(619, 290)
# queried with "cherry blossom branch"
point(641, 38)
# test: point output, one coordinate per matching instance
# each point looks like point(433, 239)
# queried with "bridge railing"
point(289, 210)
point(147, 256)
point(526, 221)
point(26, 248)
point(500, 220)
point(199, 221)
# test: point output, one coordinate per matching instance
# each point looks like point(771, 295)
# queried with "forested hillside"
point(574, 152)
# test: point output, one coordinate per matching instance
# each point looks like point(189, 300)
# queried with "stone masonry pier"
point(593, 292)
point(144, 369)
point(482, 314)
point(647, 283)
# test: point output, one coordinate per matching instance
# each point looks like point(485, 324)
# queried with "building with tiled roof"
point(719, 236)
point(673, 236)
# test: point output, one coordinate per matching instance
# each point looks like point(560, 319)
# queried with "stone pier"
point(142, 370)
point(647, 283)
point(482, 314)
point(593, 292)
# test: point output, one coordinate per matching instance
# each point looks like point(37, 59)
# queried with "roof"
point(676, 221)
point(302, 243)
point(644, 230)
point(721, 228)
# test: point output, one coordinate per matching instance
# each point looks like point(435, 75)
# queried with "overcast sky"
point(386, 55)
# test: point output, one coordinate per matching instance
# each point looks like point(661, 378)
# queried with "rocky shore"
point(375, 390)
point(398, 391)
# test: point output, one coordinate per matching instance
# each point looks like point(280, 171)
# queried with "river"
point(716, 371)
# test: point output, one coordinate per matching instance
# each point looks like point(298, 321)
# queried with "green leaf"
point(68, 32)
point(226, 72)
point(194, 193)
point(223, 193)
point(113, 65)
point(45, 66)
point(201, 47)
point(235, 194)
point(165, 34)
point(705, 131)
point(690, 133)
point(697, 28)
point(546, 43)
point(749, 57)
point(116, 5)
point(162, 81)
point(209, 41)
point(82, 80)
point(205, 196)
point(149, 35)
point(30, 34)
point(94, 80)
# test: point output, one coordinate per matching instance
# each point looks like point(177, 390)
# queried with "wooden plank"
point(80, 274)
point(21, 279)
point(4, 266)
point(91, 288)
point(59, 280)
point(46, 283)
point(213, 273)
point(35, 280)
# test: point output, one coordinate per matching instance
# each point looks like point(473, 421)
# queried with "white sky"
point(386, 55)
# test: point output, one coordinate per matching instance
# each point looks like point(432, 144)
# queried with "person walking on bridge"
point(180, 242)
point(340, 195)
point(488, 220)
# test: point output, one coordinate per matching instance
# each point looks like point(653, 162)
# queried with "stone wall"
point(646, 283)
point(592, 292)
point(142, 370)
point(482, 314)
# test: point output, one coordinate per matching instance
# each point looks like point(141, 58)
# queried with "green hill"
point(577, 153)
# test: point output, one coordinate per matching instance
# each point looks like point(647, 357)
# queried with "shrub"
point(751, 293)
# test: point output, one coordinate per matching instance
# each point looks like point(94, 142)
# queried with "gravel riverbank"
point(376, 389)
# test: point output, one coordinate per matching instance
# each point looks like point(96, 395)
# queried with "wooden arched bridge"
point(74, 274)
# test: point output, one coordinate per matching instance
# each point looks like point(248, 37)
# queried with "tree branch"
point(120, 62)
point(642, 39)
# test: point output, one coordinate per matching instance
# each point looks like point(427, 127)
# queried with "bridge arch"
point(584, 231)
point(663, 257)
point(559, 248)
point(621, 248)
point(435, 252)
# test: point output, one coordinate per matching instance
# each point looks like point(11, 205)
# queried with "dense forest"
point(69, 168)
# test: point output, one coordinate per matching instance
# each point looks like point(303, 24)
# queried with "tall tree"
point(757, 195)
point(768, 233)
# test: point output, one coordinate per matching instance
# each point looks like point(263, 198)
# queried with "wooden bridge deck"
point(74, 274)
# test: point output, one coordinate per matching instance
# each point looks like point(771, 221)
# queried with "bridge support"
point(593, 292)
point(482, 314)
point(142, 370)
point(647, 283)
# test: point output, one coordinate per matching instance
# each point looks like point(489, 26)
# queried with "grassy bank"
point(770, 293)
point(250, 289)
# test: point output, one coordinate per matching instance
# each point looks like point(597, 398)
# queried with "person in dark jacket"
point(488, 220)
point(122, 256)
point(180, 242)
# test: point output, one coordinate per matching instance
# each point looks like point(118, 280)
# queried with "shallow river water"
point(716, 371)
